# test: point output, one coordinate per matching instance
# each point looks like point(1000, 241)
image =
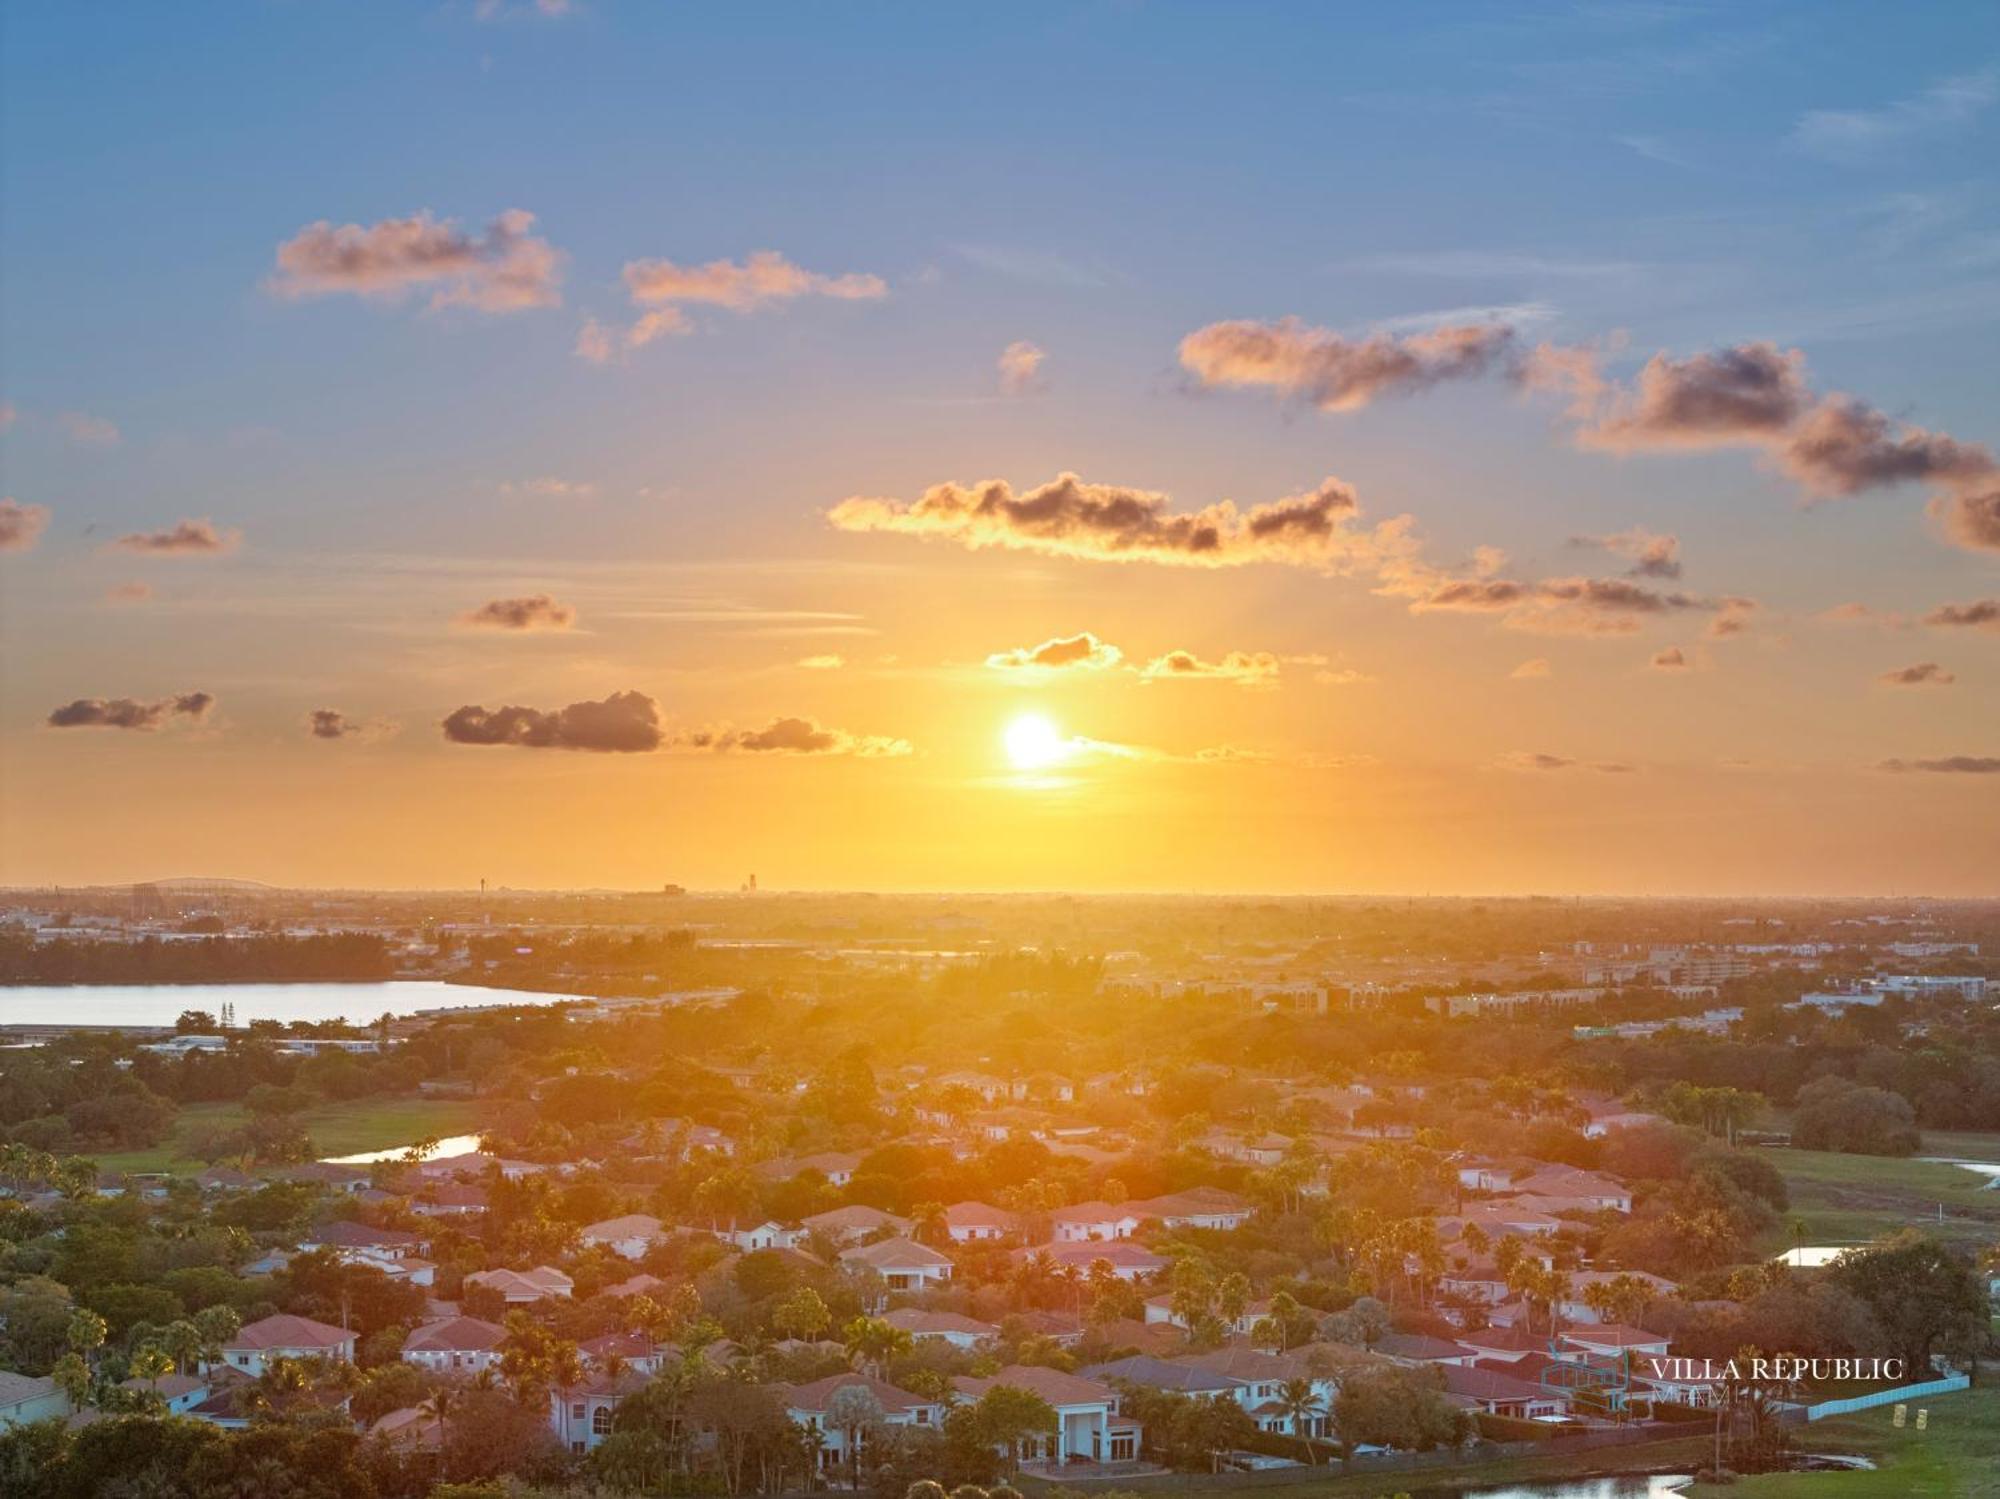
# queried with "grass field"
point(336, 1129)
point(1845, 1199)
point(1958, 1457)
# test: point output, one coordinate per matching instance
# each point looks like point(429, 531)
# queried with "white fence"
point(1884, 1397)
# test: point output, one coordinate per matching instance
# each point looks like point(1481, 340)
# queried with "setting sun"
point(1035, 743)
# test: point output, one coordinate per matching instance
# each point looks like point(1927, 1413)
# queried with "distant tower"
point(752, 886)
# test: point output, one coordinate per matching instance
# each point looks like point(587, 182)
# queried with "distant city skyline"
point(1101, 446)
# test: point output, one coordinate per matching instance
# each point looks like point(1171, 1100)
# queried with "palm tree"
point(438, 1408)
point(181, 1341)
point(1299, 1400)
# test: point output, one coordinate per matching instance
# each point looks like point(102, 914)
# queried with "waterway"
point(160, 1004)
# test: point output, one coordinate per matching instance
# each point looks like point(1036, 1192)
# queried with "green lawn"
point(336, 1129)
point(1845, 1199)
point(1958, 1457)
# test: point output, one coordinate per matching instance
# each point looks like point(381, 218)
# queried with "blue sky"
point(1097, 179)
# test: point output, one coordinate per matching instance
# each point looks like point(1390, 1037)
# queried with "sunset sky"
point(1529, 448)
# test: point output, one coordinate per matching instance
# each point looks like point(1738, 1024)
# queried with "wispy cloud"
point(21, 526)
point(186, 538)
point(506, 269)
point(1863, 136)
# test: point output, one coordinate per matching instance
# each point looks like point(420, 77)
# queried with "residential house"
point(519, 1287)
point(1128, 1261)
point(1198, 1207)
point(969, 1222)
point(1095, 1221)
point(1611, 1338)
point(178, 1393)
point(1089, 1427)
point(837, 1166)
point(225, 1179)
point(903, 1263)
point(456, 1345)
point(947, 1327)
point(630, 1236)
point(1575, 1309)
point(256, 1344)
point(1592, 1187)
point(450, 1200)
point(770, 1234)
point(1160, 1311)
point(807, 1405)
point(1416, 1348)
point(1503, 1394)
point(24, 1399)
point(856, 1221)
point(581, 1414)
point(634, 1350)
point(1258, 1386)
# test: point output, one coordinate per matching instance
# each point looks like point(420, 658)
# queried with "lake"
point(160, 1004)
point(1628, 1486)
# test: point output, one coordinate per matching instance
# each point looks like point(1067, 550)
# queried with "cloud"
point(506, 269)
point(1020, 367)
point(1652, 555)
point(494, 10)
point(185, 538)
point(1596, 606)
point(1732, 617)
point(1860, 614)
point(1336, 373)
point(1842, 446)
point(663, 290)
point(1981, 614)
point(1670, 659)
point(623, 723)
point(88, 430)
point(1923, 674)
point(21, 526)
point(799, 736)
point(1967, 765)
point(1068, 517)
point(1858, 136)
point(1524, 761)
point(129, 713)
point(1532, 670)
point(128, 593)
point(549, 487)
point(1756, 395)
point(766, 277)
point(538, 611)
point(1727, 397)
point(1970, 518)
point(1244, 668)
point(822, 663)
point(330, 723)
point(1080, 652)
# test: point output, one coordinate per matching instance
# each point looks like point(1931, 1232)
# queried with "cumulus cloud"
point(1333, 372)
point(1981, 614)
point(1922, 674)
point(1670, 659)
point(185, 538)
point(1756, 395)
point(1970, 518)
point(1732, 617)
point(505, 269)
point(1080, 652)
point(798, 736)
point(330, 723)
point(1727, 397)
point(1244, 668)
point(21, 526)
point(1966, 765)
point(129, 713)
point(1020, 367)
point(89, 431)
point(1525, 761)
point(1068, 517)
point(538, 611)
point(1842, 446)
point(1596, 606)
point(1652, 555)
point(623, 723)
point(664, 289)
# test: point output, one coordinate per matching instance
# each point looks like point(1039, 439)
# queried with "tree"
point(535, 1361)
point(874, 1342)
point(1921, 1293)
point(1832, 1113)
point(1009, 1415)
point(853, 1411)
point(801, 1313)
point(1300, 1402)
point(1363, 1323)
point(1396, 1407)
point(215, 1326)
point(72, 1377)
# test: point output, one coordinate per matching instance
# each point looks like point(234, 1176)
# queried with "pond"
point(159, 1005)
point(450, 1145)
point(1623, 1486)
point(1988, 1169)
